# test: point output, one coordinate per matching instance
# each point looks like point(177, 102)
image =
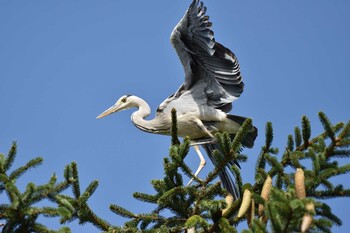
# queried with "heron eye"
point(124, 100)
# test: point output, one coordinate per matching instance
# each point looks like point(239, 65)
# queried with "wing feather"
point(205, 59)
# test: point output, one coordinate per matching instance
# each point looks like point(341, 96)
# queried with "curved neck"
point(138, 118)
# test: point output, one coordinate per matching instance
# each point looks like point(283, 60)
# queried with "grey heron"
point(212, 82)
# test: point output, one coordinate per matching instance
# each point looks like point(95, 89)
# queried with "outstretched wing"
point(203, 59)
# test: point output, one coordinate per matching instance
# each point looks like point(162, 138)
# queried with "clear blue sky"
point(64, 62)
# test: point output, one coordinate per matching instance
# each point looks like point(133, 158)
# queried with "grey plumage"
point(212, 81)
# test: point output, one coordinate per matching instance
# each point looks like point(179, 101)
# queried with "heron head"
point(123, 103)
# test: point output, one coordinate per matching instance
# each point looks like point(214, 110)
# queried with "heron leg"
point(201, 163)
point(204, 141)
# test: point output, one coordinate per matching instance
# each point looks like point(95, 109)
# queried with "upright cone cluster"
point(299, 179)
point(246, 203)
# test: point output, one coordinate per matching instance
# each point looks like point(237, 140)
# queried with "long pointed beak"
point(111, 110)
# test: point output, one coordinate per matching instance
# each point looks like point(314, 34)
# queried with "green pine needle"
point(327, 125)
point(88, 191)
point(121, 211)
point(290, 143)
point(196, 222)
point(225, 226)
point(297, 136)
point(306, 129)
point(75, 176)
point(19, 171)
point(345, 133)
point(174, 138)
point(145, 197)
point(268, 135)
point(10, 157)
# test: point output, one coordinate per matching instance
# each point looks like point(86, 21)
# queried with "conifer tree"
point(287, 195)
point(20, 212)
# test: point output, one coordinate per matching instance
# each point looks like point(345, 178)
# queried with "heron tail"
point(249, 138)
point(226, 177)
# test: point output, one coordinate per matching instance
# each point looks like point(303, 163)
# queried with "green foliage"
point(20, 213)
point(284, 210)
point(204, 206)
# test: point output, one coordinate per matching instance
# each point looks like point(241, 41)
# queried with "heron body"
point(212, 82)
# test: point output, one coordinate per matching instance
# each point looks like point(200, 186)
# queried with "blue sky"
point(64, 62)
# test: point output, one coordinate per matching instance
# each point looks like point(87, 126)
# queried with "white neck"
point(156, 125)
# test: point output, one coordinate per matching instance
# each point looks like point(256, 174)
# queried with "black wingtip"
point(249, 139)
point(194, 3)
point(226, 178)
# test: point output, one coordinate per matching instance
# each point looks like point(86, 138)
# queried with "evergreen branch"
point(184, 148)
point(85, 214)
point(210, 192)
point(306, 129)
point(75, 184)
point(258, 227)
point(13, 193)
point(276, 166)
point(268, 136)
point(260, 177)
point(225, 226)
point(324, 210)
point(121, 211)
point(275, 221)
point(323, 225)
point(147, 219)
point(295, 157)
point(345, 133)
point(145, 197)
point(201, 208)
point(2, 161)
point(53, 180)
point(47, 191)
point(171, 199)
point(297, 136)
point(234, 148)
point(174, 138)
point(68, 173)
point(218, 168)
point(231, 210)
point(241, 158)
point(339, 153)
point(237, 175)
point(196, 221)
point(290, 143)
point(329, 172)
point(188, 172)
point(10, 157)
point(328, 194)
point(265, 150)
point(67, 203)
point(88, 191)
point(338, 127)
point(327, 184)
point(48, 211)
point(158, 185)
point(315, 161)
point(236, 143)
point(224, 142)
point(327, 125)
point(320, 138)
point(28, 194)
point(19, 171)
point(342, 142)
